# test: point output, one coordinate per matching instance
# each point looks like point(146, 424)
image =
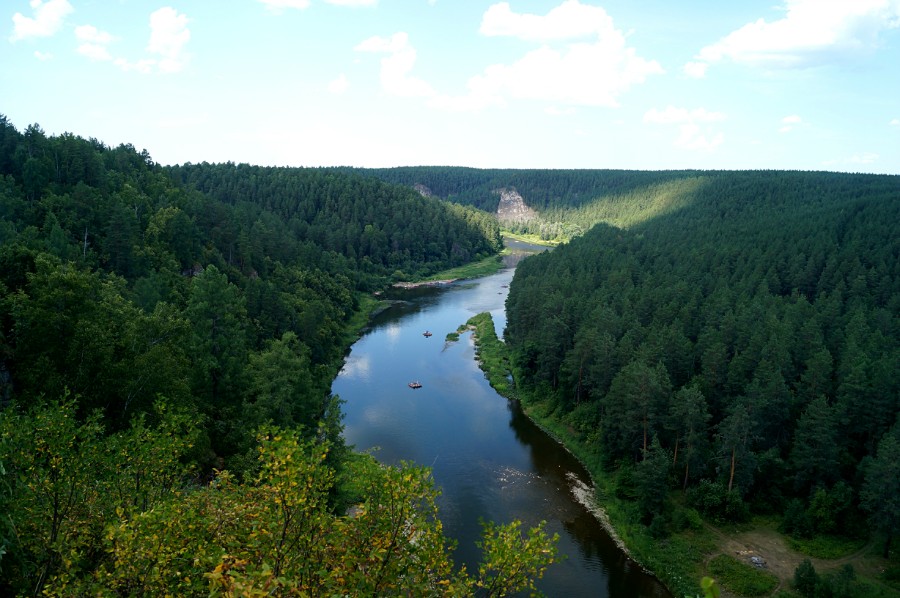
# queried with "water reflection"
point(490, 461)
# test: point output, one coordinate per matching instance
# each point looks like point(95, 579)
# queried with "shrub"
point(713, 500)
point(741, 578)
point(806, 579)
point(687, 518)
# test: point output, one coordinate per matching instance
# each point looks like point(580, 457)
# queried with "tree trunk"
point(645, 436)
point(731, 477)
point(675, 458)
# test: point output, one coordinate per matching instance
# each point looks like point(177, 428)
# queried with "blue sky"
point(652, 84)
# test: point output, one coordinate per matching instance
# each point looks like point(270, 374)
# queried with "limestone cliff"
point(512, 207)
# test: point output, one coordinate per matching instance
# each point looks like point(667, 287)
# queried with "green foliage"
point(714, 501)
point(842, 583)
point(491, 352)
point(827, 513)
point(827, 547)
point(567, 202)
point(275, 535)
point(710, 587)
point(806, 579)
point(880, 495)
point(762, 308)
point(230, 290)
point(651, 483)
point(741, 578)
point(64, 481)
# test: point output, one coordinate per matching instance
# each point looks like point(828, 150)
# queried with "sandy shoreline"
point(427, 283)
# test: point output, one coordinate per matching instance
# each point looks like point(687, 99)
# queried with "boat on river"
point(415, 385)
point(426, 333)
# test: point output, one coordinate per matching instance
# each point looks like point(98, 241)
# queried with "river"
point(489, 460)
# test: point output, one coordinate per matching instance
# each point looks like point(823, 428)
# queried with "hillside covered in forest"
point(565, 203)
point(734, 356)
point(720, 345)
point(168, 338)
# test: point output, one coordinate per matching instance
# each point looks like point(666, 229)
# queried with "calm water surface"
point(488, 459)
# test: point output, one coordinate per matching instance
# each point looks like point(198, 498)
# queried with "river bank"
point(699, 548)
point(489, 460)
point(490, 352)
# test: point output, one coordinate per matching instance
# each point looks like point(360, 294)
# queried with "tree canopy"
point(752, 330)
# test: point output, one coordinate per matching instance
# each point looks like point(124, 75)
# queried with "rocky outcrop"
point(423, 190)
point(512, 207)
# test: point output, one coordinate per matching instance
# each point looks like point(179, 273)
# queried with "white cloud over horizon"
point(93, 42)
point(694, 126)
point(397, 65)
point(789, 123)
point(569, 20)
point(586, 73)
point(811, 33)
point(168, 36)
point(48, 19)
point(278, 6)
point(338, 85)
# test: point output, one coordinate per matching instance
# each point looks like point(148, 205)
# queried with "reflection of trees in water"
point(512, 260)
point(552, 462)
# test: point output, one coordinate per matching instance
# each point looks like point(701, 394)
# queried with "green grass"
point(491, 353)
point(826, 547)
point(533, 239)
point(485, 267)
point(741, 578)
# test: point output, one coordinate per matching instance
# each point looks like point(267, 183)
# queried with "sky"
point(634, 84)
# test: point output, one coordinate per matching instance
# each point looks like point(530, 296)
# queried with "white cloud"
point(691, 135)
point(569, 20)
point(278, 5)
point(48, 19)
point(168, 36)
point(864, 158)
point(673, 115)
point(43, 55)
point(593, 71)
point(145, 65)
point(696, 70)
point(397, 65)
point(812, 33)
point(93, 42)
point(789, 123)
point(895, 122)
point(339, 85)
point(557, 111)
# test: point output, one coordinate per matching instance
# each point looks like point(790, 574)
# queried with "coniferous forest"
point(168, 337)
point(723, 346)
point(736, 356)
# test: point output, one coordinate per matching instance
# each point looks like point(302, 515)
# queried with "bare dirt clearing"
point(768, 547)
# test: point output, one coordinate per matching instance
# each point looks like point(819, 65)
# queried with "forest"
point(168, 337)
point(567, 202)
point(733, 356)
point(723, 344)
